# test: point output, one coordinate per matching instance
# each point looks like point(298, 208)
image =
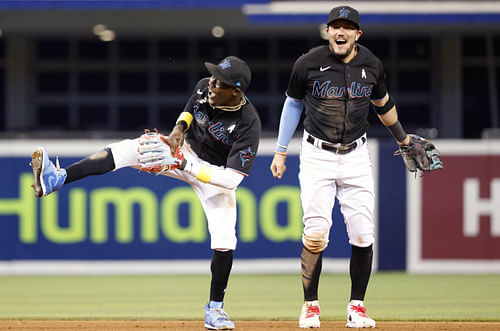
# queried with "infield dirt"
point(240, 325)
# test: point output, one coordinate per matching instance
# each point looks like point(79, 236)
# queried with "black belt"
point(339, 149)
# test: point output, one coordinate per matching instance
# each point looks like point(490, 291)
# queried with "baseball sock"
point(311, 270)
point(96, 164)
point(221, 268)
point(360, 268)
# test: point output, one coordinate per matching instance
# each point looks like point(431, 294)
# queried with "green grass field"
point(390, 297)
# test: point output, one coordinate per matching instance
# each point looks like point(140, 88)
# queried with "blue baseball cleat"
point(48, 178)
point(216, 318)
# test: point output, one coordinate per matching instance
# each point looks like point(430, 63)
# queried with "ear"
point(236, 91)
point(358, 34)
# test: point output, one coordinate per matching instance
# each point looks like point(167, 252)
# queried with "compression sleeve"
point(222, 177)
point(290, 117)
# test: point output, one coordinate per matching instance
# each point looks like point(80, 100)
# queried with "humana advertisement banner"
point(131, 216)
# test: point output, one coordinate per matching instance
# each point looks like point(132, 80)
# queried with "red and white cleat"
point(309, 317)
point(356, 316)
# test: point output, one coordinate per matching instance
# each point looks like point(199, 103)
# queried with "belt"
point(336, 148)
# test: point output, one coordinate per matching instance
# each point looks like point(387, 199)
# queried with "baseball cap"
point(344, 13)
point(232, 71)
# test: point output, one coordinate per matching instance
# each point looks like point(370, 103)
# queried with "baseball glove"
point(420, 154)
point(155, 154)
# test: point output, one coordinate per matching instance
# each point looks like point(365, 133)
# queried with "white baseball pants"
point(325, 175)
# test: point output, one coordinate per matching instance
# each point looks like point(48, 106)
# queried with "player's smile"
point(342, 46)
point(340, 42)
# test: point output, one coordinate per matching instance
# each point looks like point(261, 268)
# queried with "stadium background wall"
point(130, 222)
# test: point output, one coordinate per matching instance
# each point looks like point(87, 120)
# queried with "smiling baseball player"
point(335, 85)
point(212, 147)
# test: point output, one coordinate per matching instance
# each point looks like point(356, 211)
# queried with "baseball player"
point(212, 147)
point(335, 85)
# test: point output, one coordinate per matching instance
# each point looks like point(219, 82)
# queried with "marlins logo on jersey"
point(246, 155)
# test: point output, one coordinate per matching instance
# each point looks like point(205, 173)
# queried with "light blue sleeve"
point(290, 117)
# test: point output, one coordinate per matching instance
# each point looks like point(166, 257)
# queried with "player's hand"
point(176, 138)
point(278, 166)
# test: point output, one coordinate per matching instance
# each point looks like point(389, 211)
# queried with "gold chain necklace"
point(233, 108)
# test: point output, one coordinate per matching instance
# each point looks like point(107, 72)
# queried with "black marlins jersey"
point(336, 95)
point(223, 138)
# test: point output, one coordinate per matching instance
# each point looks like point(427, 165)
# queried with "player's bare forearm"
point(278, 166)
point(176, 137)
point(390, 117)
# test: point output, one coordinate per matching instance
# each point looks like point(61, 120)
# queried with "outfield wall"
point(135, 223)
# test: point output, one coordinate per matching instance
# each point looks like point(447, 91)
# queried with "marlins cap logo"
point(225, 64)
point(344, 12)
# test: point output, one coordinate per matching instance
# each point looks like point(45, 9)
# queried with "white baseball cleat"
point(309, 317)
point(356, 316)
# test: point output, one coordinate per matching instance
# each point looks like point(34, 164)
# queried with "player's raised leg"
point(49, 177)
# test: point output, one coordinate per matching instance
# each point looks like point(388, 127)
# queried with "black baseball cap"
point(232, 71)
point(344, 13)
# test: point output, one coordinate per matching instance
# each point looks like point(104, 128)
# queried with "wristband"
point(397, 131)
point(281, 148)
point(204, 174)
point(185, 117)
